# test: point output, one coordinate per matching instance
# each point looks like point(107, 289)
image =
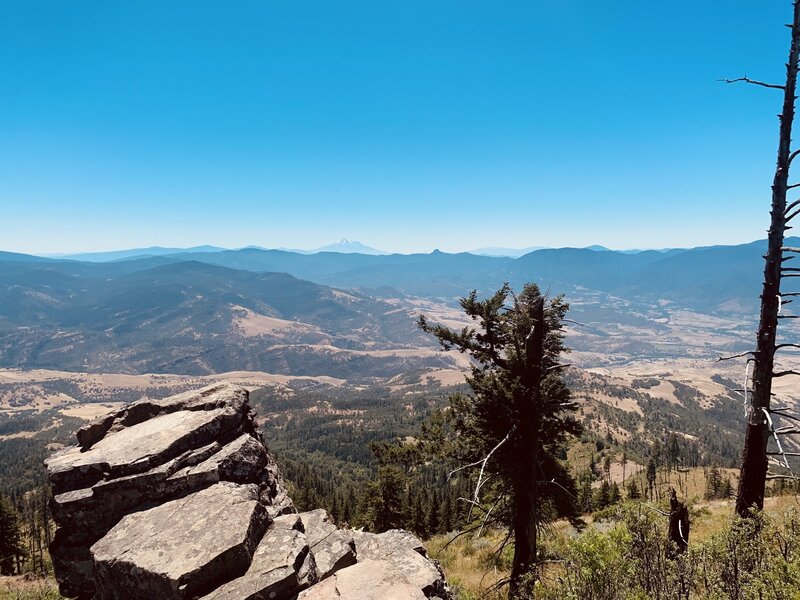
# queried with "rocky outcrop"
point(178, 499)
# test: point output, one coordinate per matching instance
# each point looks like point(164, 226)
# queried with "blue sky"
point(406, 125)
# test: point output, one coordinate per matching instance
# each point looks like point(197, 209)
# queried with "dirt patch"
point(251, 324)
point(90, 411)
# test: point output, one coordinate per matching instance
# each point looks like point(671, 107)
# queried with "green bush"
point(757, 558)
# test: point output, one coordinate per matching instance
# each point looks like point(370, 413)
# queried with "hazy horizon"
point(322, 246)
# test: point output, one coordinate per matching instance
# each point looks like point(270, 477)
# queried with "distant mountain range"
point(343, 246)
point(711, 279)
point(205, 309)
point(133, 253)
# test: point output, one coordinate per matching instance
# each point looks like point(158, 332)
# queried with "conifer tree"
point(11, 546)
point(447, 513)
point(651, 476)
point(602, 496)
point(633, 490)
point(614, 494)
point(384, 501)
point(418, 520)
point(585, 501)
point(433, 522)
point(520, 411)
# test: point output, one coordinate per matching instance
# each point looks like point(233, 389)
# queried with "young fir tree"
point(432, 516)
point(651, 476)
point(519, 413)
point(419, 523)
point(383, 504)
point(633, 490)
point(713, 484)
point(11, 546)
point(447, 513)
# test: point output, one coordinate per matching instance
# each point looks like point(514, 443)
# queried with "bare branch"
point(754, 82)
point(775, 436)
point(785, 373)
point(785, 415)
point(790, 207)
point(573, 322)
point(486, 460)
point(458, 535)
point(721, 358)
point(488, 514)
point(482, 463)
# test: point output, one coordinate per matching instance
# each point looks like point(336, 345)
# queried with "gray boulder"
point(181, 548)
point(367, 580)
point(178, 499)
point(405, 556)
point(281, 567)
point(146, 454)
point(333, 548)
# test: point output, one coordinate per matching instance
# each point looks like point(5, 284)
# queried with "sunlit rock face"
point(178, 499)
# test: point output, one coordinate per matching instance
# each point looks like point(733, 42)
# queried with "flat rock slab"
point(138, 448)
point(333, 548)
point(93, 511)
point(406, 556)
point(182, 548)
point(367, 580)
point(282, 566)
point(218, 395)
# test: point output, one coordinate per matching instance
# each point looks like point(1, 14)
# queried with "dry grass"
point(472, 569)
point(469, 565)
point(28, 588)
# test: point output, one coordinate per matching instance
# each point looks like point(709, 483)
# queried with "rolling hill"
point(195, 318)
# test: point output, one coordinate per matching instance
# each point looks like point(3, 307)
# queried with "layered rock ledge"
point(178, 499)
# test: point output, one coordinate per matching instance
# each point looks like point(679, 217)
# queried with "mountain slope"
point(195, 318)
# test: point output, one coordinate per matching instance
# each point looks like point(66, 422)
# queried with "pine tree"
point(419, 523)
point(624, 461)
point(602, 497)
point(633, 490)
point(11, 546)
point(651, 476)
point(713, 484)
point(520, 411)
point(585, 499)
point(432, 517)
point(614, 495)
point(447, 513)
point(726, 491)
point(384, 499)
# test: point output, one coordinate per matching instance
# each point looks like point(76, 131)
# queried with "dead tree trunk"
point(678, 532)
point(753, 474)
point(526, 494)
